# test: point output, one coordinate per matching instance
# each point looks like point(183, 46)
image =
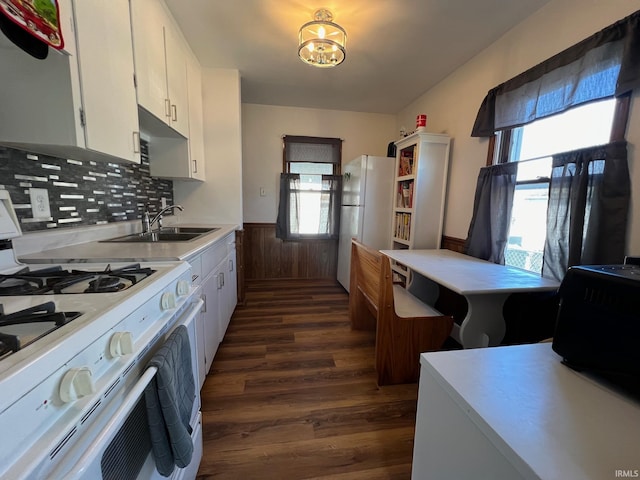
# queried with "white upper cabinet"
point(180, 158)
point(169, 86)
point(80, 104)
point(196, 122)
point(160, 64)
point(104, 46)
point(176, 78)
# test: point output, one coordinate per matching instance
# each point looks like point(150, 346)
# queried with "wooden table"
point(483, 284)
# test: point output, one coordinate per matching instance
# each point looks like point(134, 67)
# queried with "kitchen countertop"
point(519, 410)
point(98, 251)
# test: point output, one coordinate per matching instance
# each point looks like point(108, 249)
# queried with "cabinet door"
point(200, 343)
point(232, 284)
point(105, 58)
point(211, 319)
point(196, 129)
point(176, 78)
point(228, 295)
point(147, 17)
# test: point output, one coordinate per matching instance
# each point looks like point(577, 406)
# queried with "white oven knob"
point(182, 288)
point(167, 301)
point(75, 384)
point(121, 344)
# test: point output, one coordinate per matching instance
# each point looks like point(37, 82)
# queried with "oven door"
point(118, 445)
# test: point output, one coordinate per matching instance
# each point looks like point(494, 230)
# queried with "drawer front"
point(212, 257)
point(196, 270)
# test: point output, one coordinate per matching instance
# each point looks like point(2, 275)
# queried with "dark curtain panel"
point(489, 228)
point(288, 206)
point(601, 66)
point(589, 196)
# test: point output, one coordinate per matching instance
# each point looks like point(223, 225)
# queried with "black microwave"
point(598, 322)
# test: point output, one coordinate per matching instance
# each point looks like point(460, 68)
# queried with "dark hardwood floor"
point(292, 393)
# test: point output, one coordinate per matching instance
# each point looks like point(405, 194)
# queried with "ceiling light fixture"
point(321, 43)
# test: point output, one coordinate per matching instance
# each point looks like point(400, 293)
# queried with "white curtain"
point(288, 225)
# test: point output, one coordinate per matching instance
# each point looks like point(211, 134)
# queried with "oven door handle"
point(112, 427)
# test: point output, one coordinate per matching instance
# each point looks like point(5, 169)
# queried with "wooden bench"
point(405, 326)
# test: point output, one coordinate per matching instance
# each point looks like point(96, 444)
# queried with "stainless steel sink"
point(165, 234)
point(154, 237)
point(198, 230)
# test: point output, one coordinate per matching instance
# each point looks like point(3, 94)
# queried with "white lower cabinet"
point(211, 319)
point(215, 273)
point(228, 293)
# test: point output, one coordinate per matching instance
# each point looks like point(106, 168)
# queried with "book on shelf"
point(410, 195)
point(403, 226)
point(404, 198)
point(406, 201)
point(407, 159)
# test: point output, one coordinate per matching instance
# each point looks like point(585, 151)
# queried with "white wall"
point(452, 105)
point(219, 198)
point(263, 127)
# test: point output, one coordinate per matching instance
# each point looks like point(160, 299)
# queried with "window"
point(532, 146)
point(310, 188)
point(560, 108)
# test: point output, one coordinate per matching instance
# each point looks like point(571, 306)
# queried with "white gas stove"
point(93, 328)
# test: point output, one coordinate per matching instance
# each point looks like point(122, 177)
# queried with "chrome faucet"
point(148, 224)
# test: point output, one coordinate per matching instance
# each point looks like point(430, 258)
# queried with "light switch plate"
point(40, 207)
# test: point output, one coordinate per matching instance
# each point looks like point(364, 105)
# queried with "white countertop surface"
point(469, 275)
point(548, 420)
point(98, 251)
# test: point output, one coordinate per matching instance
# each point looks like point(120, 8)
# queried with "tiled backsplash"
point(80, 193)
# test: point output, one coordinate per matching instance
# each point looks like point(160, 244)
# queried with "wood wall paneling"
point(267, 257)
point(452, 243)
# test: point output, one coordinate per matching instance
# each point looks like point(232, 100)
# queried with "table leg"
point(484, 323)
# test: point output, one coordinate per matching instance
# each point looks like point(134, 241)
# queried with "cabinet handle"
point(195, 166)
point(230, 265)
point(136, 142)
point(204, 304)
point(174, 113)
point(167, 107)
point(222, 275)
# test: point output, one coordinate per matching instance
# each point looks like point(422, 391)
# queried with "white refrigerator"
point(367, 197)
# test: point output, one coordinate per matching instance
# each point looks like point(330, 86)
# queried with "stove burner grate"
point(59, 281)
point(105, 284)
point(43, 313)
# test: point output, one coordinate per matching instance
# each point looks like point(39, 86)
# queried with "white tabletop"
point(469, 275)
point(548, 419)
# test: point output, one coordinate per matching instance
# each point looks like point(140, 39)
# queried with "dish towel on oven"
point(169, 398)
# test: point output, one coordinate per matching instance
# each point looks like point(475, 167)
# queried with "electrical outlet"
point(40, 207)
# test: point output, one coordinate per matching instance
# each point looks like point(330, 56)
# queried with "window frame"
point(334, 212)
point(286, 164)
point(499, 148)
point(499, 144)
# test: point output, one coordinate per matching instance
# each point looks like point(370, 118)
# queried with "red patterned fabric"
point(41, 18)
